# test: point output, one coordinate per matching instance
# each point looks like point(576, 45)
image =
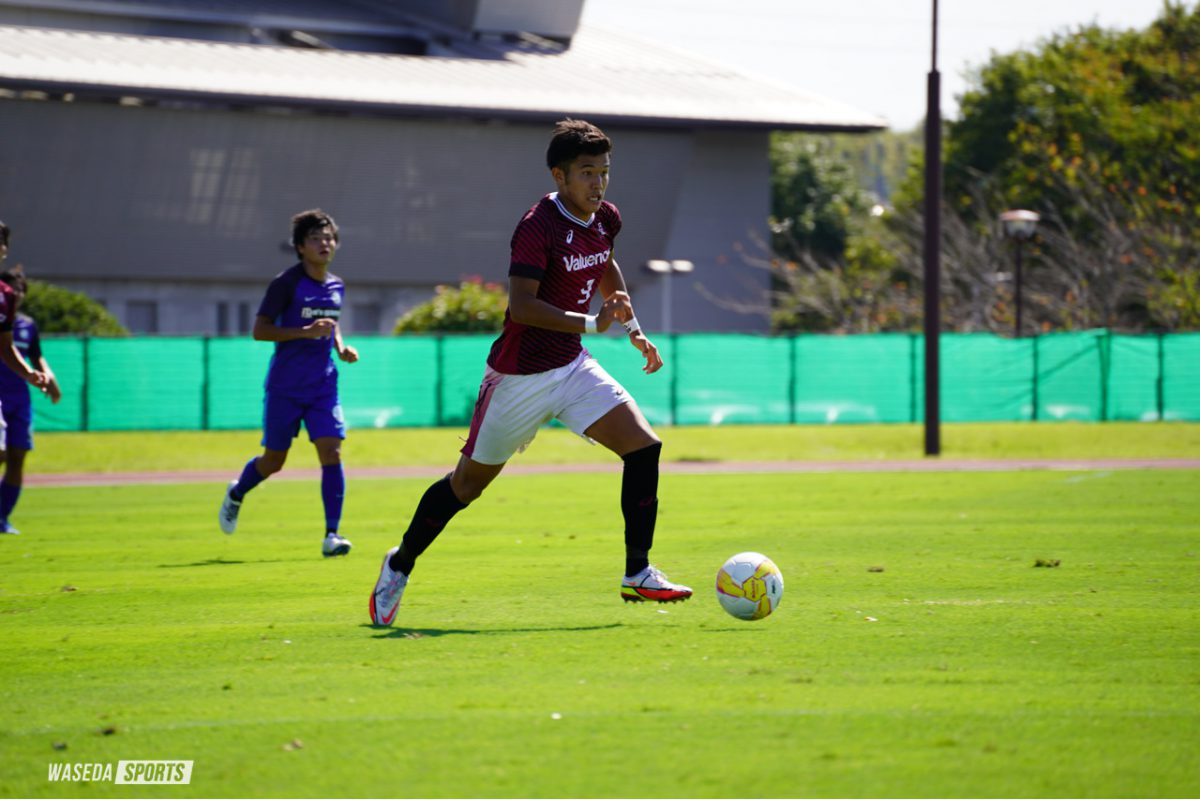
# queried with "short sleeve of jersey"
point(531, 244)
point(610, 216)
point(279, 295)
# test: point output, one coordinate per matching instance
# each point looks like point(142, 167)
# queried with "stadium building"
point(154, 150)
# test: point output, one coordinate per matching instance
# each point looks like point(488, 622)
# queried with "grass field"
point(228, 450)
point(918, 650)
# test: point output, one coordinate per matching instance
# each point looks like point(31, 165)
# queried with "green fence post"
point(912, 377)
point(674, 396)
point(84, 389)
point(793, 378)
point(1159, 389)
point(205, 376)
point(439, 380)
point(1034, 343)
point(1104, 343)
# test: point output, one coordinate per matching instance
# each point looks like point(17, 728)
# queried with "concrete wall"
point(185, 209)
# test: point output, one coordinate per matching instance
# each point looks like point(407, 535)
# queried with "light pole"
point(1019, 225)
point(667, 269)
point(932, 249)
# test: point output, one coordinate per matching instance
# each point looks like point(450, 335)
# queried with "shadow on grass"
point(421, 633)
point(222, 562)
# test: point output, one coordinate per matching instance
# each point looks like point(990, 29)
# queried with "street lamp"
point(660, 266)
point(1019, 225)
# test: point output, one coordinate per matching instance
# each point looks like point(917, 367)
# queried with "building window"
point(365, 317)
point(141, 316)
point(245, 320)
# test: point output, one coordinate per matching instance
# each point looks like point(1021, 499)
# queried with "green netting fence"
point(209, 383)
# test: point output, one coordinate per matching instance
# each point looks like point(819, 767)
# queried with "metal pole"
point(933, 237)
point(666, 300)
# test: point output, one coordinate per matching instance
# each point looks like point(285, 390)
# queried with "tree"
point(471, 307)
point(1120, 106)
point(1099, 131)
point(59, 310)
point(814, 195)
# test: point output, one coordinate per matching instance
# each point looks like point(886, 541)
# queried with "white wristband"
point(632, 325)
point(589, 323)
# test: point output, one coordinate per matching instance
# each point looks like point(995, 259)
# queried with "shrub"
point(59, 310)
point(471, 307)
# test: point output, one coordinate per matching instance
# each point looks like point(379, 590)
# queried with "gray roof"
point(603, 76)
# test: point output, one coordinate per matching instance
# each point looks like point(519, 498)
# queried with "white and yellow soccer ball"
point(749, 585)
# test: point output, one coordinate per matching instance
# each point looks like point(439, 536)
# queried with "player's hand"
point(52, 390)
point(616, 308)
point(321, 329)
point(654, 361)
point(348, 354)
point(38, 379)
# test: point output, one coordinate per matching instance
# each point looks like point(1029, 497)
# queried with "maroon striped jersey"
point(8, 308)
point(569, 256)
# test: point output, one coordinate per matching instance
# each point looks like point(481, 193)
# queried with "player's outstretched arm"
point(613, 285)
point(12, 359)
point(344, 351)
point(52, 389)
point(648, 349)
point(526, 308)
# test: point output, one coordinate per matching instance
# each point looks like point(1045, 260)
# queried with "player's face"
point(581, 187)
point(318, 247)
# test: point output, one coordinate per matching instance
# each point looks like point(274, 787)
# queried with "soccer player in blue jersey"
point(299, 313)
point(538, 369)
point(15, 403)
point(16, 420)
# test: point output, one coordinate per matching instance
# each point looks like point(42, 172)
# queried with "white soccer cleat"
point(6, 527)
point(388, 591)
point(651, 584)
point(228, 515)
point(335, 545)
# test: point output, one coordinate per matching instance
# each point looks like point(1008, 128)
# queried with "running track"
point(668, 468)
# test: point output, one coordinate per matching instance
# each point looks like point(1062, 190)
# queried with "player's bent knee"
point(470, 479)
point(271, 463)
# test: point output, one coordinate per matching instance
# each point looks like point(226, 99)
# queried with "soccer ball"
point(749, 585)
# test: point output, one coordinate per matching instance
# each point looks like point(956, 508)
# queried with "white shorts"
point(511, 408)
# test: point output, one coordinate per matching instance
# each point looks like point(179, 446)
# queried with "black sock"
point(639, 505)
point(438, 505)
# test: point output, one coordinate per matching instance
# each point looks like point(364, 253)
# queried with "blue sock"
point(333, 490)
point(249, 479)
point(9, 494)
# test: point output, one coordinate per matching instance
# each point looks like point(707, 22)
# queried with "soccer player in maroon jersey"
point(538, 369)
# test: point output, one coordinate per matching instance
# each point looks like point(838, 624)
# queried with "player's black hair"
point(574, 138)
point(3, 233)
point(306, 222)
point(15, 276)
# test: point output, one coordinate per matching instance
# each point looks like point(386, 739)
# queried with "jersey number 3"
point(586, 292)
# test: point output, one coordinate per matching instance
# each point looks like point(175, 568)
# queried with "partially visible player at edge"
point(15, 402)
point(538, 369)
point(300, 312)
point(11, 357)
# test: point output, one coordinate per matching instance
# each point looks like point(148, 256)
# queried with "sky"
point(874, 55)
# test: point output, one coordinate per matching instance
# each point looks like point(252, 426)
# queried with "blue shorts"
point(322, 416)
point(18, 419)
